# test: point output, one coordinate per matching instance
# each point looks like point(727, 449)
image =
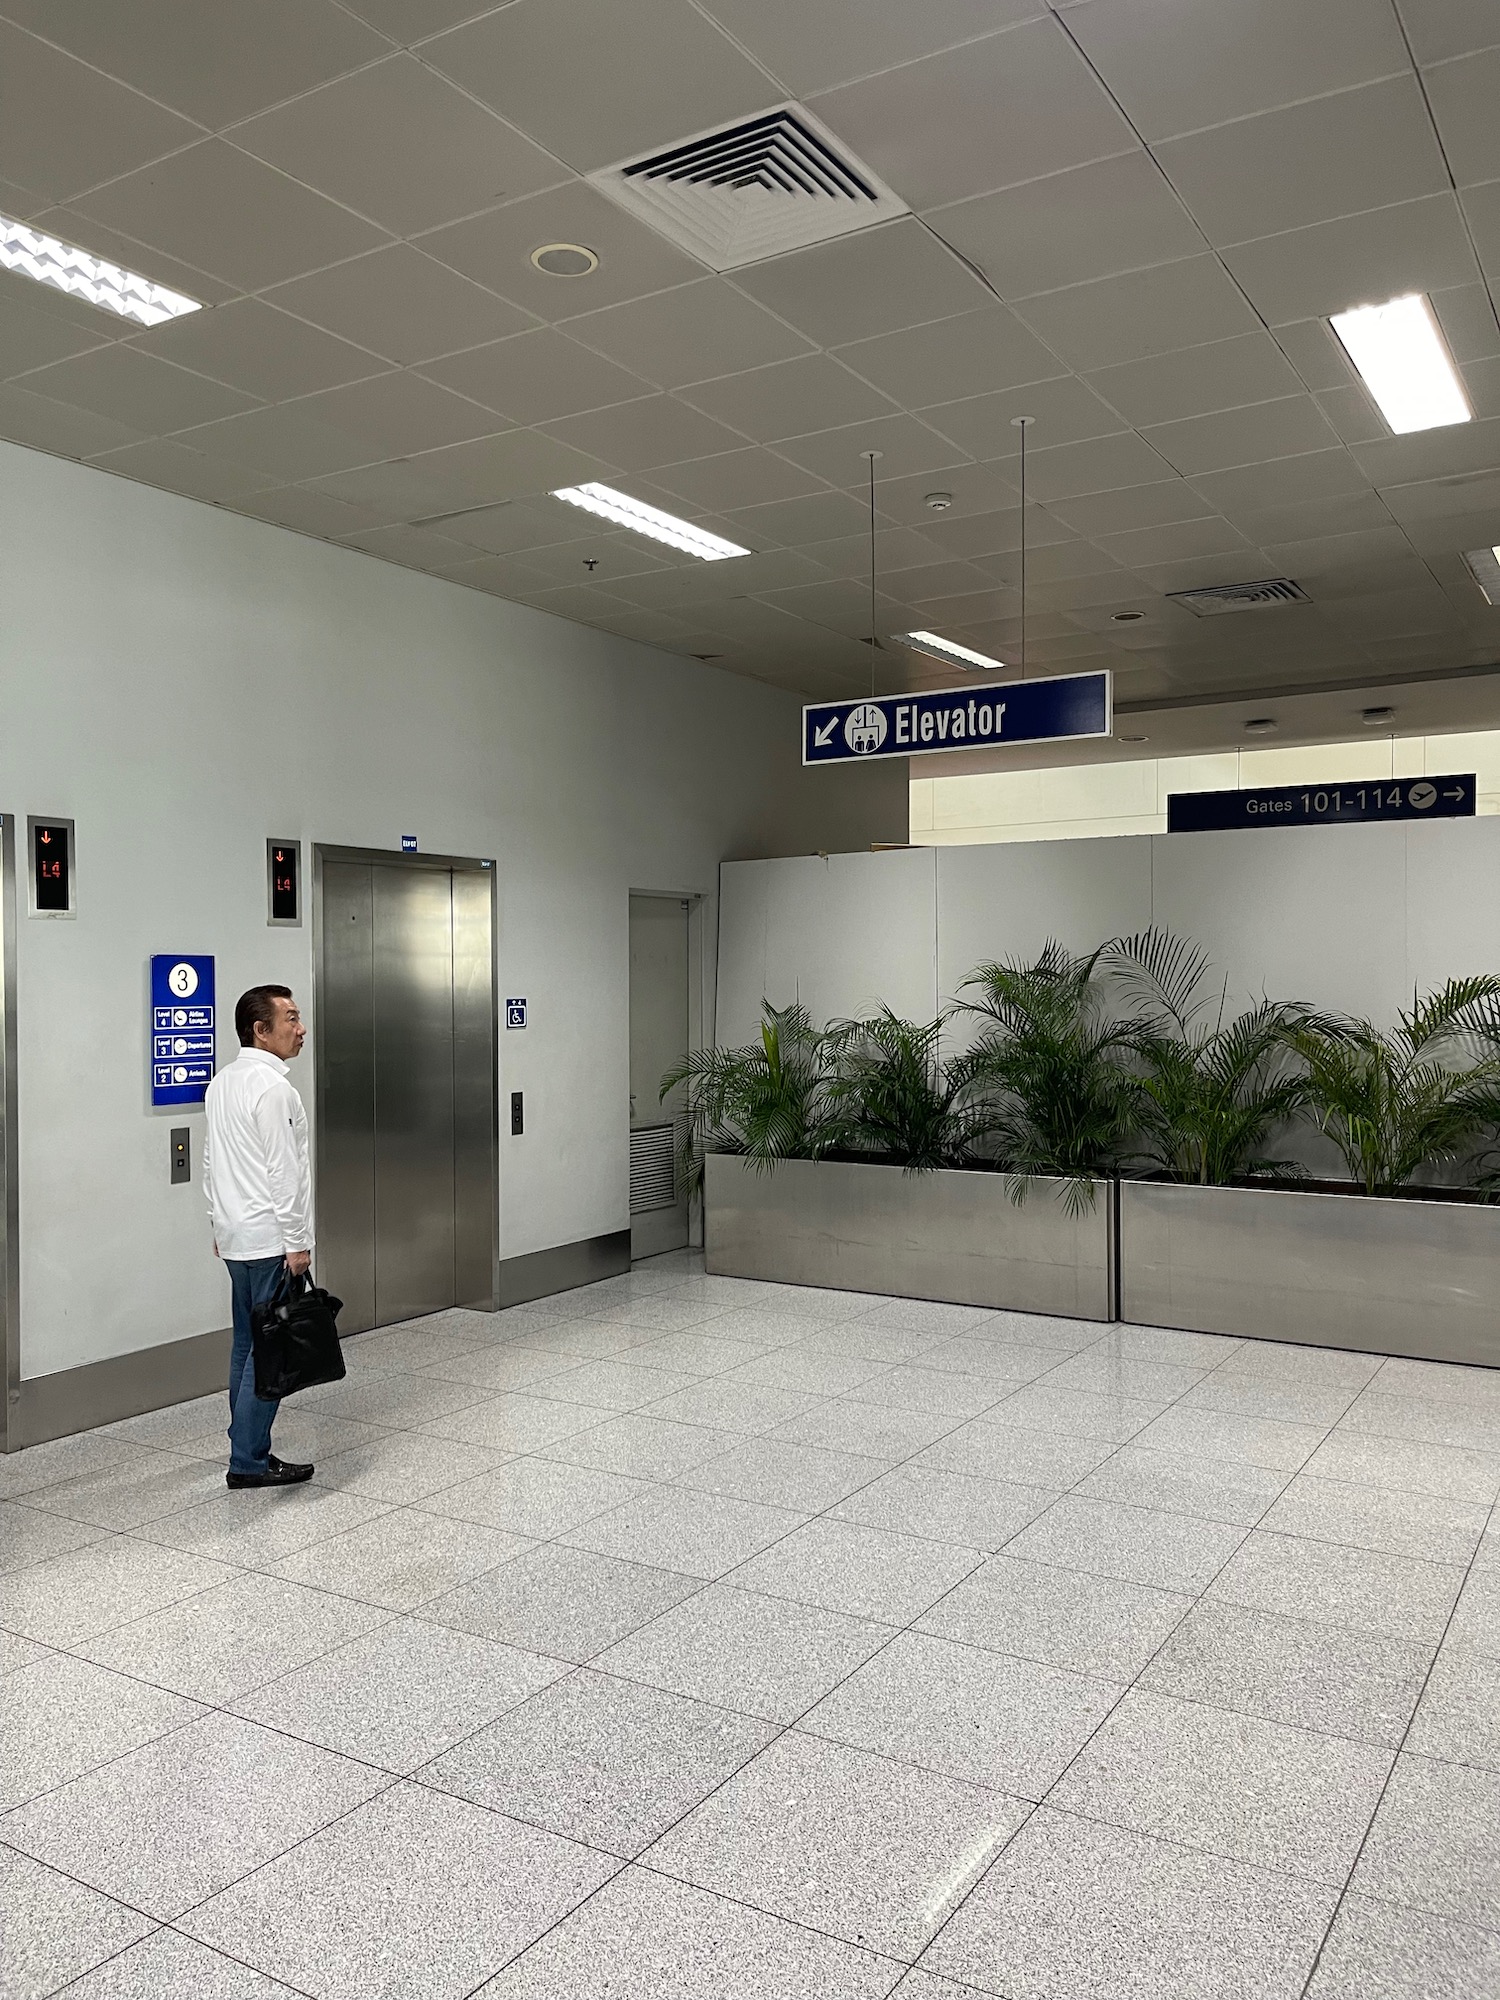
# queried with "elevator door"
point(406, 1090)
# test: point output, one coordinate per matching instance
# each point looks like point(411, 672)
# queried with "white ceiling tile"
point(1469, 322)
point(1418, 246)
point(678, 336)
point(1096, 466)
point(1283, 482)
point(996, 111)
point(396, 489)
point(304, 512)
point(415, 548)
point(400, 145)
point(896, 275)
point(536, 376)
point(1051, 562)
point(501, 576)
point(906, 447)
point(964, 356)
point(408, 21)
point(1442, 28)
point(1316, 354)
point(790, 523)
point(1300, 520)
point(1162, 504)
point(212, 62)
point(1364, 149)
point(1242, 437)
point(252, 346)
point(1063, 411)
point(71, 225)
point(400, 414)
point(1114, 215)
point(843, 606)
point(1463, 96)
point(1352, 414)
point(516, 526)
point(226, 213)
point(165, 463)
point(811, 48)
point(655, 430)
point(1321, 559)
point(1179, 66)
point(595, 82)
point(30, 336)
point(283, 441)
point(62, 428)
point(1143, 312)
point(510, 466)
point(971, 490)
point(735, 479)
point(1396, 461)
point(495, 250)
point(789, 398)
point(64, 127)
point(1482, 208)
point(136, 389)
point(401, 305)
point(1220, 375)
point(979, 536)
point(1175, 542)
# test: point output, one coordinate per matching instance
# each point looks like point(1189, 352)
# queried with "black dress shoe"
point(275, 1474)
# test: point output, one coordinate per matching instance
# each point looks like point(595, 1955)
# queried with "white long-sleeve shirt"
point(255, 1171)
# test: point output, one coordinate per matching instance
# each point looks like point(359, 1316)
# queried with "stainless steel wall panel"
point(1419, 1278)
point(475, 1102)
point(948, 1235)
point(345, 1027)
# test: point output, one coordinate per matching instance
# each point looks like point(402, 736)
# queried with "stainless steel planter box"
point(949, 1235)
point(1420, 1278)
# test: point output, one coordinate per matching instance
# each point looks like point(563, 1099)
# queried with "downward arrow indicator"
point(821, 736)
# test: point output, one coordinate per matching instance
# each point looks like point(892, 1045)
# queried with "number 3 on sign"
point(183, 980)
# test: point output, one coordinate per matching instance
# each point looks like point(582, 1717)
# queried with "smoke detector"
point(1214, 599)
point(753, 189)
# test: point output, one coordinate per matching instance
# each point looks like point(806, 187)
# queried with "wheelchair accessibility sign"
point(515, 1013)
point(918, 725)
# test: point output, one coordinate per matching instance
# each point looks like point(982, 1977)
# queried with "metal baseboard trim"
point(542, 1272)
point(126, 1385)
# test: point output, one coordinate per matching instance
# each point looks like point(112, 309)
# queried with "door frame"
point(387, 857)
point(698, 905)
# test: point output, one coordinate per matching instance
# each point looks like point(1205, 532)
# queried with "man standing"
point(255, 1174)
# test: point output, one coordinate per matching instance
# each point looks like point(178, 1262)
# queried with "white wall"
point(1346, 917)
point(184, 683)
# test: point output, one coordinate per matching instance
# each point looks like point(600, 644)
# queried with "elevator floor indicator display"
point(181, 1036)
point(958, 718)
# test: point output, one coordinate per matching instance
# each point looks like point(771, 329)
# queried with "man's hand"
point(298, 1262)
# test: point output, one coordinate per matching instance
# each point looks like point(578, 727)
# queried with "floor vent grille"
point(752, 190)
point(1214, 599)
point(653, 1168)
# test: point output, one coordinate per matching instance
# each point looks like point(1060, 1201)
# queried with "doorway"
point(404, 1024)
point(659, 1036)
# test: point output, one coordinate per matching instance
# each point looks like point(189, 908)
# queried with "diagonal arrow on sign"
point(821, 736)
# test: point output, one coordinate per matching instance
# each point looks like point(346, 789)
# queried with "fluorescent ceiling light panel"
point(1484, 567)
point(68, 269)
point(946, 650)
point(651, 521)
point(1404, 362)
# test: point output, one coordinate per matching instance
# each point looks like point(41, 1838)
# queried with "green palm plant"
point(891, 1093)
point(1210, 1091)
point(765, 1101)
point(1062, 1100)
point(1424, 1093)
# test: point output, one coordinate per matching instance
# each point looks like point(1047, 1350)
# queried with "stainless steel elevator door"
point(406, 1186)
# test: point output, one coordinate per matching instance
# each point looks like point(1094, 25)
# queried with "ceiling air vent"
point(1214, 599)
point(752, 190)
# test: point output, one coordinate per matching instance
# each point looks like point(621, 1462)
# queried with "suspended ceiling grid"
point(1129, 219)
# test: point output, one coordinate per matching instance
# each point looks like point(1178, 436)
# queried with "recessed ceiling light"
point(1126, 617)
point(1404, 362)
point(565, 260)
point(649, 521)
point(1261, 725)
point(68, 269)
point(1484, 567)
point(1376, 718)
point(1135, 739)
point(945, 649)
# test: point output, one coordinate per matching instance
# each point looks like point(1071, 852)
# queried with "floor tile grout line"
point(1395, 1765)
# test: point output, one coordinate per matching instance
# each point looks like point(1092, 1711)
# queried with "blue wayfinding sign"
point(181, 1037)
point(1349, 804)
point(918, 725)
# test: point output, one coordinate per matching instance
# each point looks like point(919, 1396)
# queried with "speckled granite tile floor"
point(685, 1639)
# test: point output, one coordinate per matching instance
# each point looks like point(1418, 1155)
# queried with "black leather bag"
point(295, 1339)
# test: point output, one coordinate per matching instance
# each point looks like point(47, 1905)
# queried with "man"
point(259, 1190)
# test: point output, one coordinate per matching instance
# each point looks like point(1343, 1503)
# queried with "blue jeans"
point(252, 1283)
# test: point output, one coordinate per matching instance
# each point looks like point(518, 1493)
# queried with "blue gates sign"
point(918, 725)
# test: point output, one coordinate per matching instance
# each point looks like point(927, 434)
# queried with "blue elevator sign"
point(181, 1038)
point(987, 717)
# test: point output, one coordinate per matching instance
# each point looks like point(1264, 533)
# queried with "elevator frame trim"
point(389, 857)
point(10, 1190)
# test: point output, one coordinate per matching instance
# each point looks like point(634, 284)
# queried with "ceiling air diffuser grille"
point(1214, 599)
point(752, 190)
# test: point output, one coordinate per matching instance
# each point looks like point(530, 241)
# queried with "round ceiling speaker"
point(1126, 617)
point(565, 260)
